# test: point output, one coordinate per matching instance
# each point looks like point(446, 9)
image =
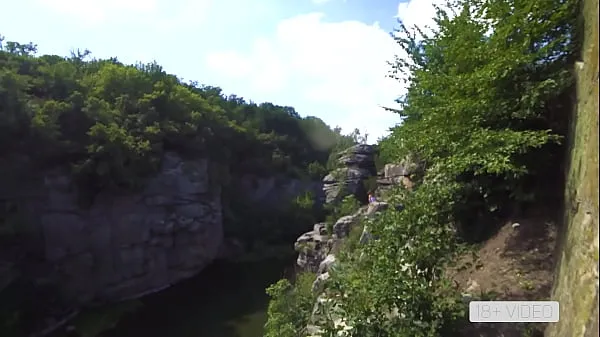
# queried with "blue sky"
point(326, 58)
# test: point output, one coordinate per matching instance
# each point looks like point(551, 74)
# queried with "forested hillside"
point(110, 124)
point(486, 115)
point(112, 121)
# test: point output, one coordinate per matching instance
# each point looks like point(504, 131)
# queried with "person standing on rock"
point(371, 198)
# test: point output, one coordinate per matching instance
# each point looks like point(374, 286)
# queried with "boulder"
point(405, 168)
point(312, 248)
point(365, 149)
point(343, 225)
point(326, 264)
point(376, 207)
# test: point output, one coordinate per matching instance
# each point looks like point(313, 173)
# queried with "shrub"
point(290, 307)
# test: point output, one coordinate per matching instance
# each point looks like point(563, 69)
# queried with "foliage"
point(13, 222)
point(259, 225)
point(402, 270)
point(483, 91)
point(370, 184)
point(290, 307)
point(341, 145)
point(484, 112)
point(316, 170)
point(95, 321)
point(347, 206)
point(112, 122)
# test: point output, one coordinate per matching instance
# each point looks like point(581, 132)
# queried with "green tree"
point(290, 307)
point(483, 112)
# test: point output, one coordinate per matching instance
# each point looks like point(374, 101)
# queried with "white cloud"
point(182, 14)
point(334, 70)
point(419, 13)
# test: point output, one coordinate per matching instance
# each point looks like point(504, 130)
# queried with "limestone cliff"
point(124, 244)
point(576, 280)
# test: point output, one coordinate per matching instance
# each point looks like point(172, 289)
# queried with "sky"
point(325, 58)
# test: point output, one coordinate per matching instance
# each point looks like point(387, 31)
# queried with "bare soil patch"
point(516, 264)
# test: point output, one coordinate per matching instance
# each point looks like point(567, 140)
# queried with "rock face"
point(397, 174)
point(358, 164)
point(313, 247)
point(124, 246)
point(278, 191)
point(316, 246)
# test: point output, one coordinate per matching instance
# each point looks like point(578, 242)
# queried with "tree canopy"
point(112, 121)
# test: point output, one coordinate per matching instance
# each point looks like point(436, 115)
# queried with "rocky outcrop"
point(324, 257)
point(357, 164)
point(397, 174)
point(126, 245)
point(313, 247)
point(317, 248)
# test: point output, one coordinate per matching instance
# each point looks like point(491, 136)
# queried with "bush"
point(316, 171)
point(290, 307)
point(347, 206)
point(112, 122)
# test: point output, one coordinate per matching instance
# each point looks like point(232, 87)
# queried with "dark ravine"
point(96, 210)
point(227, 299)
point(125, 247)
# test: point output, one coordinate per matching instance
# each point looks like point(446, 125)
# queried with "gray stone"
point(126, 244)
point(312, 248)
point(376, 207)
point(355, 159)
point(365, 149)
point(64, 234)
point(346, 181)
point(320, 228)
point(326, 264)
point(406, 167)
point(343, 225)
